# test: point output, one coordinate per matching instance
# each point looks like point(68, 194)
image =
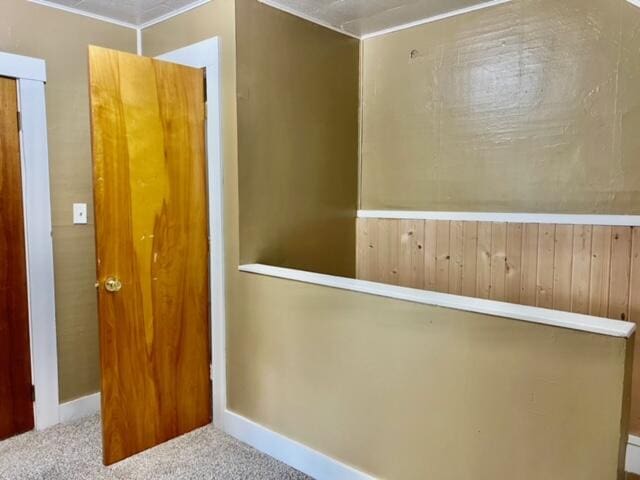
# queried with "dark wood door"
point(16, 404)
point(152, 249)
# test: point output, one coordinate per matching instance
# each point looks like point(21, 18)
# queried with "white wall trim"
point(84, 13)
point(309, 18)
point(435, 18)
point(206, 55)
point(26, 68)
point(561, 219)
point(139, 41)
point(555, 318)
point(295, 454)
point(633, 455)
point(79, 408)
point(634, 2)
point(31, 75)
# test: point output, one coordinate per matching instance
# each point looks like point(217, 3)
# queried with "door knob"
point(112, 284)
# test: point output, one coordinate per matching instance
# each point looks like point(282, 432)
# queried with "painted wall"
point(298, 135)
point(531, 106)
point(408, 391)
point(61, 39)
point(333, 369)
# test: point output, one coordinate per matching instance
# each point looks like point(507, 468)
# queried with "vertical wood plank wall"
point(587, 269)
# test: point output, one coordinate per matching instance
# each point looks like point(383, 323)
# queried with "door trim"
point(206, 54)
point(30, 74)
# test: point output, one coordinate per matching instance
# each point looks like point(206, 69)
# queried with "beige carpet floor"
point(73, 452)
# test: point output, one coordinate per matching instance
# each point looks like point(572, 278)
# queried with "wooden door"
point(16, 402)
point(152, 249)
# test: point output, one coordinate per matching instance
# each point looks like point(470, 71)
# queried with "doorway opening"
point(27, 305)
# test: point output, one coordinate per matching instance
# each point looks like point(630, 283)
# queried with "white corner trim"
point(308, 18)
point(555, 318)
point(84, 13)
point(206, 54)
point(173, 13)
point(27, 68)
point(560, 219)
point(633, 458)
point(634, 2)
point(80, 408)
point(435, 18)
point(294, 454)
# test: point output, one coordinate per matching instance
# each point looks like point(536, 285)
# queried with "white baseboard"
point(297, 455)
point(633, 455)
point(322, 467)
point(80, 408)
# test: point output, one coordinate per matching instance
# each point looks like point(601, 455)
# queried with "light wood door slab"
point(152, 239)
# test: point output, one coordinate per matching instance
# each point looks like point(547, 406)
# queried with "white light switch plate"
point(80, 213)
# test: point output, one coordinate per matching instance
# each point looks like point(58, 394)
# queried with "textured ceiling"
point(356, 17)
point(363, 17)
point(133, 12)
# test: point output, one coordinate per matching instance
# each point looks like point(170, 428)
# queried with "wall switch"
point(80, 213)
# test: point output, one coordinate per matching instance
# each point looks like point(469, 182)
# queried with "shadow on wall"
point(298, 101)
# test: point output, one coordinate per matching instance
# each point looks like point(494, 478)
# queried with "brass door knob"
point(112, 284)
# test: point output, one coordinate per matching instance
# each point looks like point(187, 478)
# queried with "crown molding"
point(120, 23)
point(77, 11)
point(436, 18)
point(174, 13)
point(309, 18)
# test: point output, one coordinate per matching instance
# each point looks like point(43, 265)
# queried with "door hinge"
point(19, 117)
point(33, 393)
point(204, 82)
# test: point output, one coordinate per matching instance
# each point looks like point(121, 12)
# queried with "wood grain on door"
point(16, 402)
point(152, 249)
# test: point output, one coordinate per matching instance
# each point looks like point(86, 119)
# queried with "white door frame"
point(205, 55)
point(30, 74)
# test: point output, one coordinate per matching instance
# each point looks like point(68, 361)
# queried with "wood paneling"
point(528, 283)
point(513, 263)
point(151, 232)
point(470, 241)
point(600, 271)
point(580, 268)
point(430, 240)
point(411, 253)
point(16, 407)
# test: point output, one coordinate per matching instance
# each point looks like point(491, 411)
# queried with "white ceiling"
point(361, 18)
point(134, 13)
point(355, 17)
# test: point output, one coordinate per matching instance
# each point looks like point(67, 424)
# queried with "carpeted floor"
point(73, 452)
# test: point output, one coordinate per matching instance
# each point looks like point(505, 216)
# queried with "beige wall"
point(408, 391)
point(393, 388)
point(529, 106)
point(298, 134)
point(61, 39)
